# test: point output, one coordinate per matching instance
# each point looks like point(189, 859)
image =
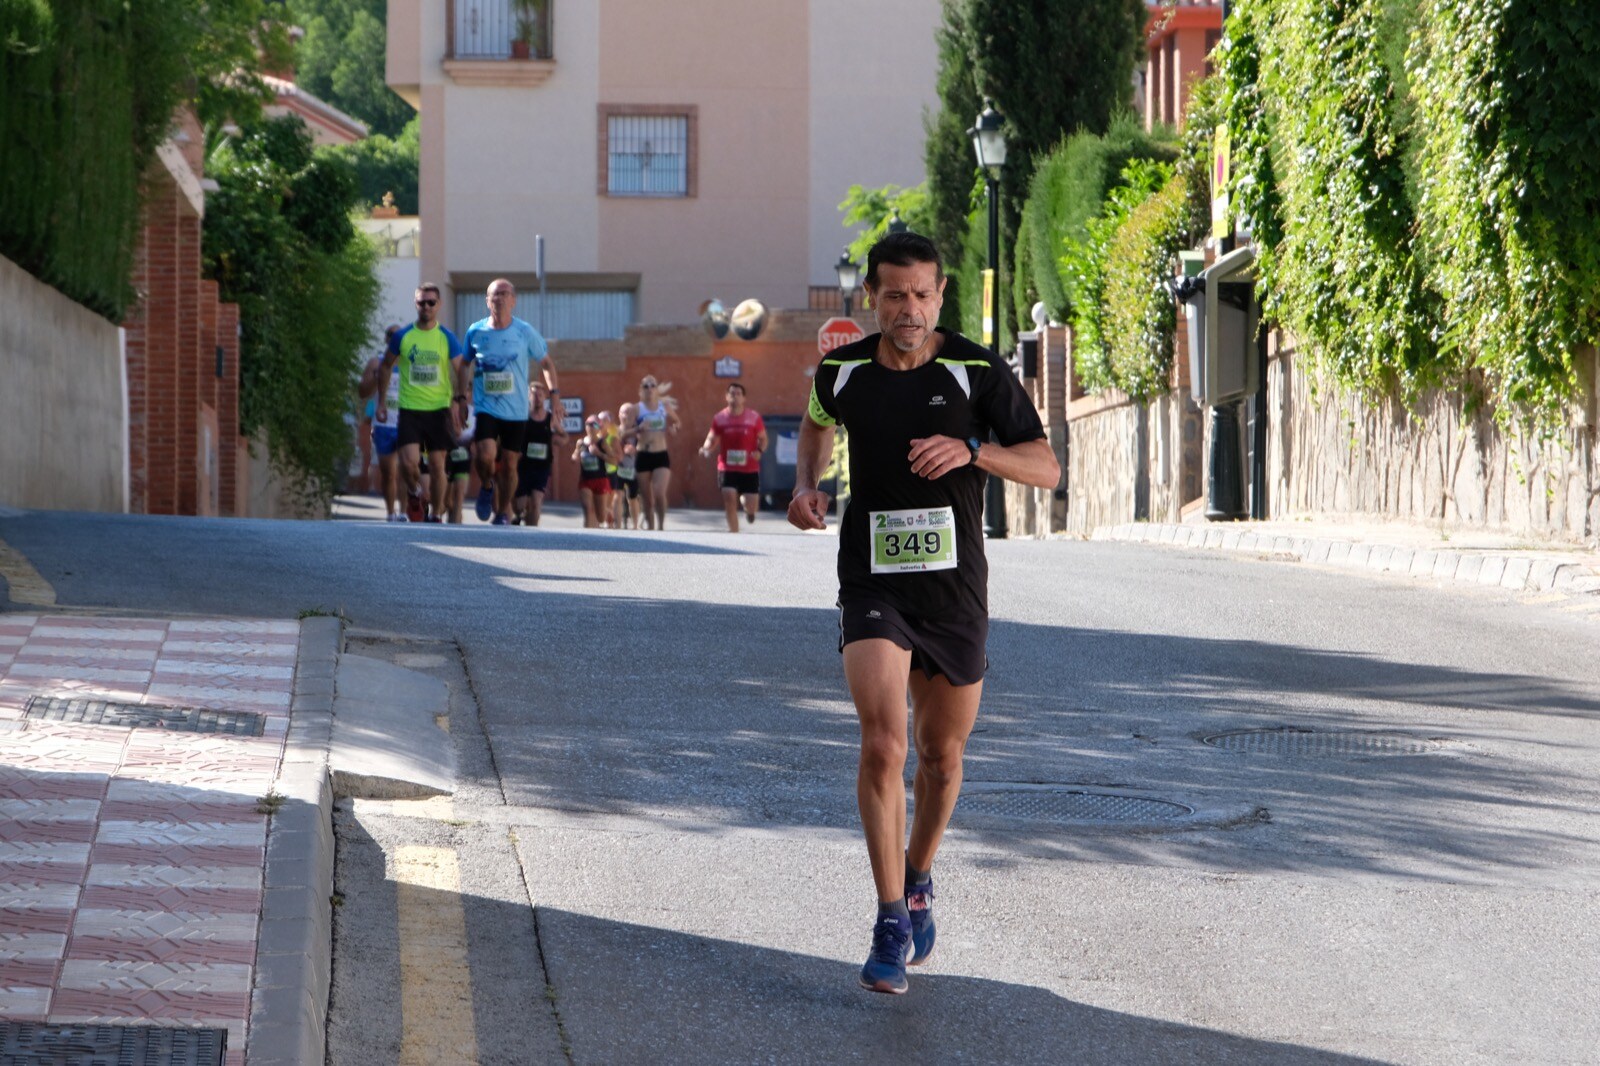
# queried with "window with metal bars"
point(647, 155)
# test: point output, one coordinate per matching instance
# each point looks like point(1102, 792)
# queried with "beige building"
point(669, 153)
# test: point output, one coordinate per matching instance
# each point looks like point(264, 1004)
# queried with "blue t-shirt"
point(501, 360)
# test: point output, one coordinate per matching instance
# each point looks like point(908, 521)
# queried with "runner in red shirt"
point(738, 436)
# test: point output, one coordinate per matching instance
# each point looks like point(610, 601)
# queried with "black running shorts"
point(648, 461)
point(955, 648)
point(429, 429)
point(512, 436)
point(744, 482)
point(532, 476)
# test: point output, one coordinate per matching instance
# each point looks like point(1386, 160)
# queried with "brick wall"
point(174, 392)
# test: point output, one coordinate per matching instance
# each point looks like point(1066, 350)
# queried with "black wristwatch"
point(973, 444)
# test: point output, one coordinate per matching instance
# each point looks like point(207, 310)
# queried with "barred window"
point(649, 152)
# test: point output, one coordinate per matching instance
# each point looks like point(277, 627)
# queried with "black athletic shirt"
point(962, 392)
point(539, 433)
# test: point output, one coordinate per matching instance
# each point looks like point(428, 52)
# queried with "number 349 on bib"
point(907, 541)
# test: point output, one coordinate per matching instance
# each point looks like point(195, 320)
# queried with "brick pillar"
point(230, 485)
point(162, 213)
point(189, 362)
point(208, 487)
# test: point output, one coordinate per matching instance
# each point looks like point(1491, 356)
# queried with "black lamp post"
point(989, 142)
point(849, 275)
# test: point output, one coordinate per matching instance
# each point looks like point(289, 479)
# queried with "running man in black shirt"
point(913, 583)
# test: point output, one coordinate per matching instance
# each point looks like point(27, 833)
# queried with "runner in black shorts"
point(533, 470)
point(913, 583)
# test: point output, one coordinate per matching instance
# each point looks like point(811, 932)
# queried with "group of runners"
point(442, 406)
point(445, 405)
point(930, 415)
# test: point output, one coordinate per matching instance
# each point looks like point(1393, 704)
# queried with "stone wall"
point(1332, 453)
point(63, 415)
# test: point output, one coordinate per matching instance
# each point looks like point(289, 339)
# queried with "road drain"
point(143, 716)
point(29, 1044)
point(1288, 741)
point(1060, 804)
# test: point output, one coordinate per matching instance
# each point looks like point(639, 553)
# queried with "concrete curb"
point(1518, 571)
point(294, 952)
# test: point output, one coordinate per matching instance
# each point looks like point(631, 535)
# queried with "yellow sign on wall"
point(1220, 225)
point(988, 307)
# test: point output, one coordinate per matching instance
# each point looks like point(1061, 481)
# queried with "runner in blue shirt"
point(499, 352)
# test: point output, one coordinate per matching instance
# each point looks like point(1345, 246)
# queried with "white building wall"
point(522, 162)
point(873, 71)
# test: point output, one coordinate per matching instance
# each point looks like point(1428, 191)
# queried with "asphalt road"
point(658, 753)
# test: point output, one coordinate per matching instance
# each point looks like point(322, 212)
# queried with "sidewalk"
point(1471, 557)
point(160, 850)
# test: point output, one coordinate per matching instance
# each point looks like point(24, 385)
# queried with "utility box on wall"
point(1231, 319)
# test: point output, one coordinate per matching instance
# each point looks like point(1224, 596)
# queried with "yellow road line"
point(25, 583)
point(435, 980)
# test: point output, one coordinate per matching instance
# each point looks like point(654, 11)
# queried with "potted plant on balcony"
point(529, 14)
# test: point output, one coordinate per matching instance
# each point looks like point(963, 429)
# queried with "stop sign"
point(836, 332)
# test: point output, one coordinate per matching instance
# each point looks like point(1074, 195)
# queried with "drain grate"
point(1046, 804)
point(143, 716)
point(1313, 742)
point(30, 1044)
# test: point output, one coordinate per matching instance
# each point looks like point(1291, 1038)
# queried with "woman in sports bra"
point(648, 424)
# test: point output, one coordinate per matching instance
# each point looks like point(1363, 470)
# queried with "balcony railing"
point(489, 29)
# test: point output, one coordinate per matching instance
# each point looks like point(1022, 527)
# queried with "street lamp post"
point(989, 143)
point(849, 275)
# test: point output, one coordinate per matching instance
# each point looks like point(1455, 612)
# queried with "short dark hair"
point(428, 286)
point(902, 249)
point(736, 385)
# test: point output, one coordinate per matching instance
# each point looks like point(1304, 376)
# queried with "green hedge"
point(1068, 189)
point(89, 88)
point(1139, 315)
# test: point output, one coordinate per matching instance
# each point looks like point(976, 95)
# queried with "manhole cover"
point(143, 716)
point(29, 1044)
point(1312, 742)
point(1045, 804)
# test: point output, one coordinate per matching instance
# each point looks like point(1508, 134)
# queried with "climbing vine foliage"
point(1421, 182)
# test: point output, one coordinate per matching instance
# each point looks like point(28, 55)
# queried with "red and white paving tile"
point(131, 859)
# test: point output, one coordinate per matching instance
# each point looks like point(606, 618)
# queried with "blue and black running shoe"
point(919, 901)
point(485, 506)
point(885, 970)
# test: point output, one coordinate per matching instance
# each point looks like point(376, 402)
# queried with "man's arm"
point(712, 441)
point(548, 366)
point(1030, 462)
point(369, 378)
point(809, 507)
point(379, 378)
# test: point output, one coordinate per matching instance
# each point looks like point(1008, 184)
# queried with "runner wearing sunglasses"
point(429, 359)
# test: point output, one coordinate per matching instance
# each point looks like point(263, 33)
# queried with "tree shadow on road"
point(709, 738)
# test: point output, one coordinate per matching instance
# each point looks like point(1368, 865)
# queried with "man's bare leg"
point(876, 672)
point(942, 718)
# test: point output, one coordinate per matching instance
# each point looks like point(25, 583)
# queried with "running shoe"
point(919, 901)
point(416, 509)
point(885, 970)
point(398, 516)
point(435, 519)
point(485, 506)
point(501, 520)
point(749, 517)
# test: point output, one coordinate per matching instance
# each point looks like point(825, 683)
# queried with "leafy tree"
point(279, 241)
point(342, 58)
point(383, 165)
point(877, 207)
point(1052, 67)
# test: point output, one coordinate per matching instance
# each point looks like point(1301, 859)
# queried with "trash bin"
point(778, 462)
